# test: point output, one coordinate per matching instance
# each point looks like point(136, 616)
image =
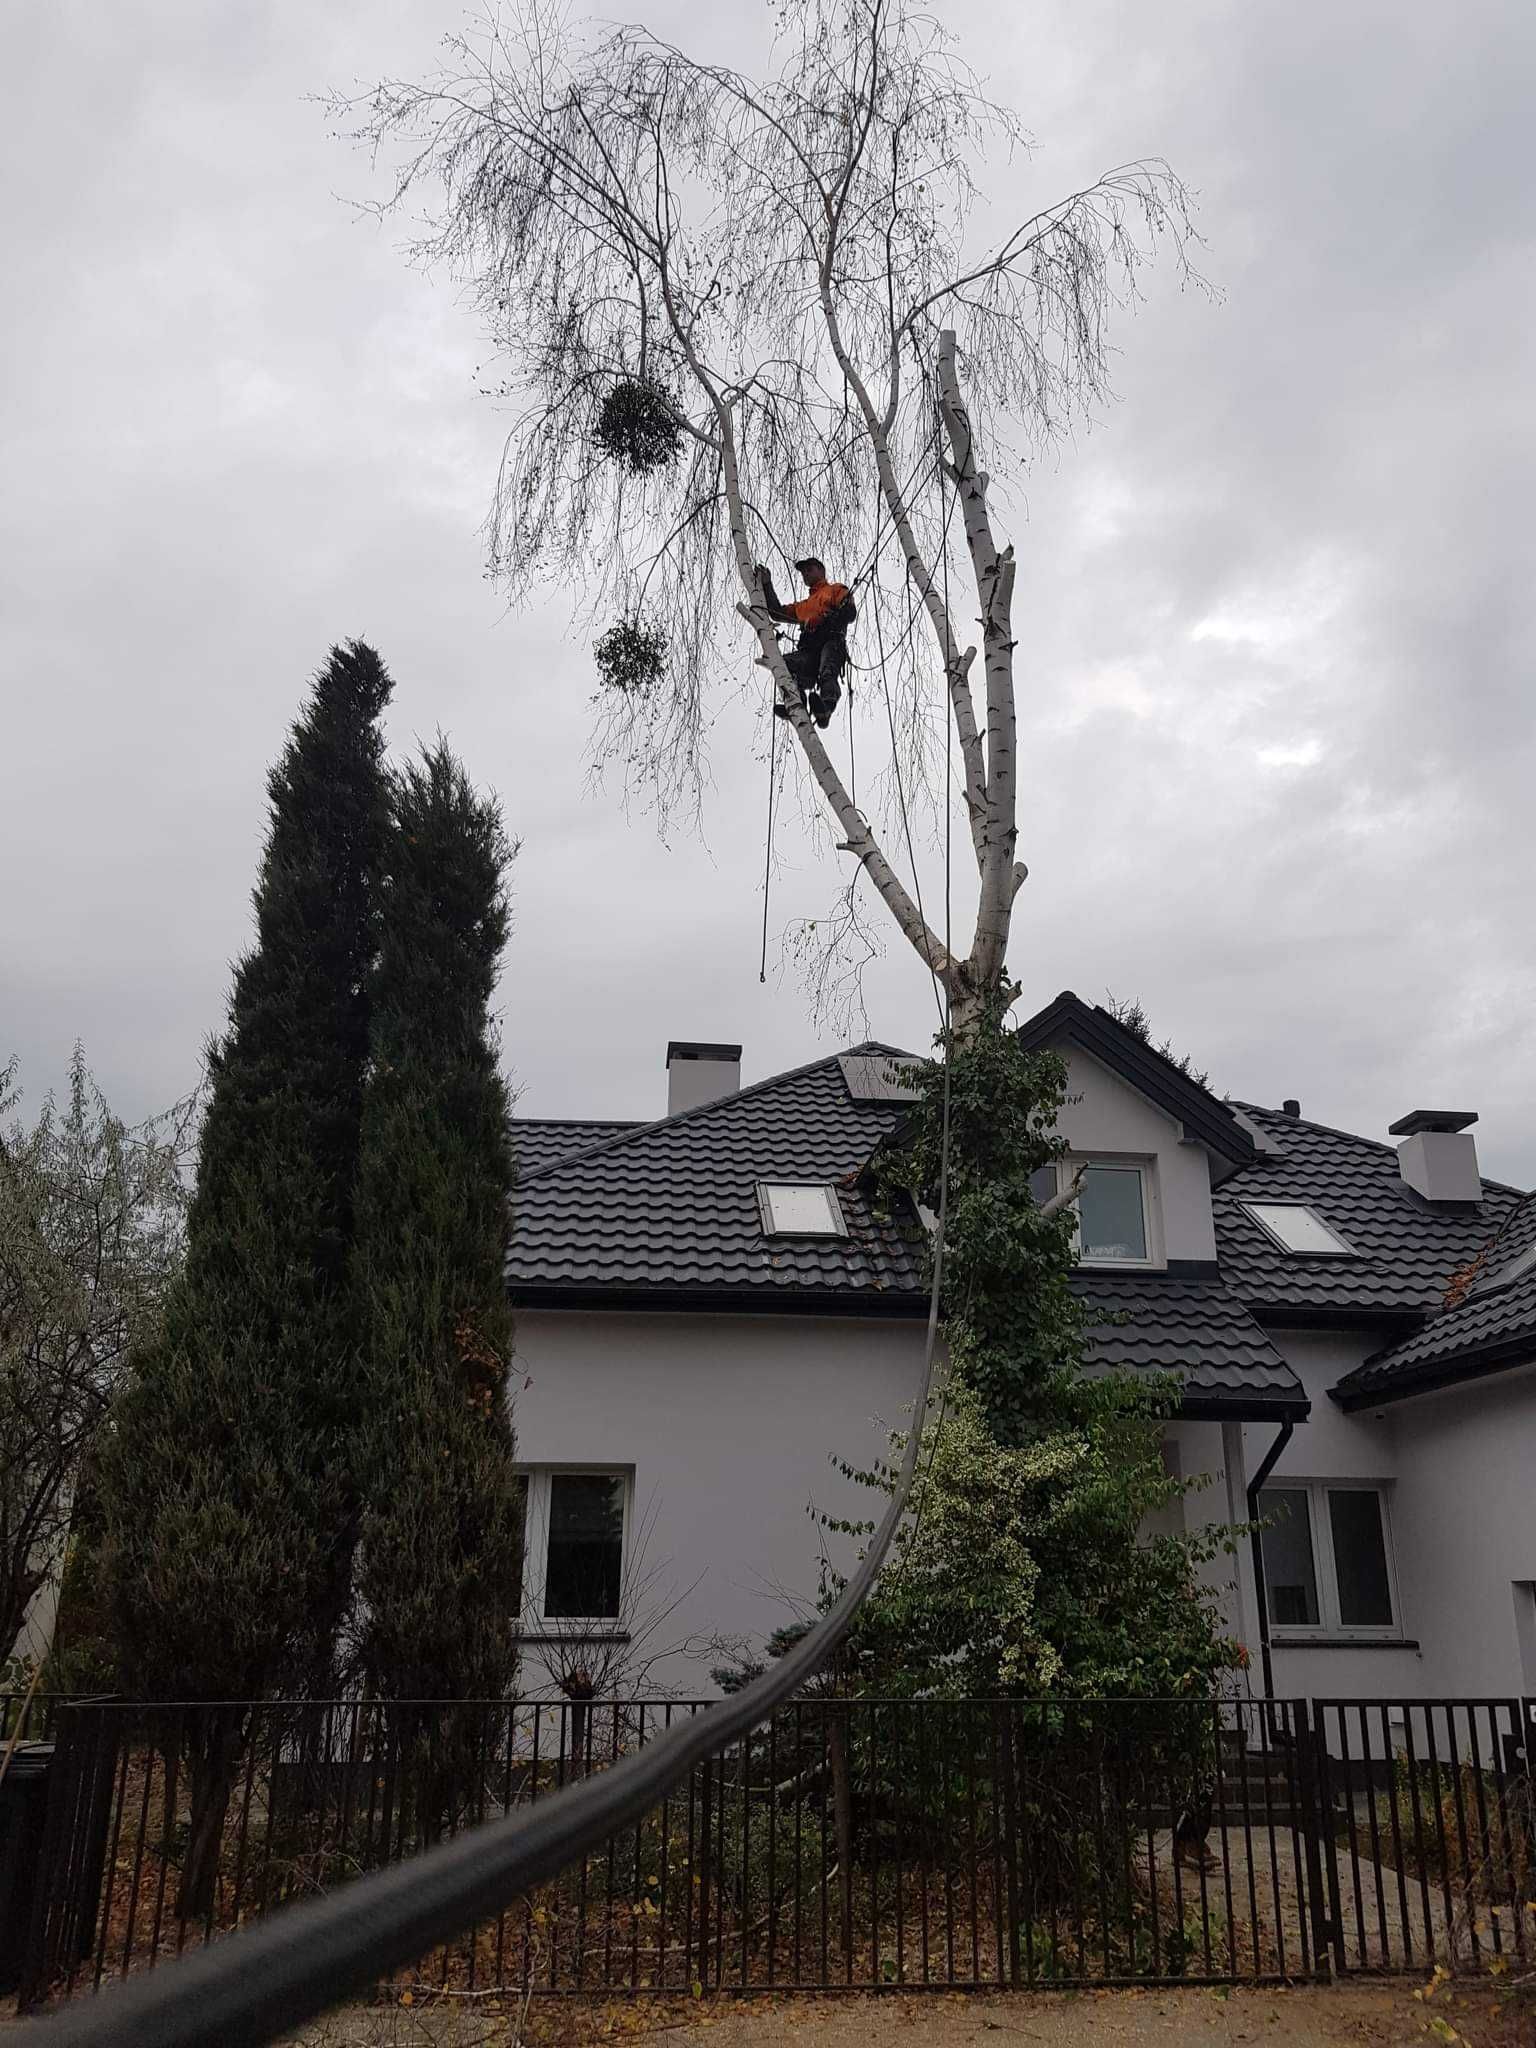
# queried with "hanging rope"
point(853, 766)
point(773, 754)
point(920, 1488)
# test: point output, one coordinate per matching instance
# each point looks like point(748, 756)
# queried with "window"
point(1296, 1228)
point(1112, 1215)
point(800, 1209)
point(1327, 1570)
point(574, 1538)
point(1115, 1211)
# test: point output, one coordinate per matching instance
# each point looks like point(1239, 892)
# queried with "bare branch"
point(777, 260)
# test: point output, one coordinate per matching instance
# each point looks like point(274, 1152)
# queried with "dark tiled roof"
point(1492, 1323)
point(668, 1211)
point(1406, 1248)
point(1204, 1116)
point(1196, 1328)
point(541, 1140)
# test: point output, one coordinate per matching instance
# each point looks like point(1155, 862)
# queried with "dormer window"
point(800, 1209)
point(1297, 1228)
point(1115, 1211)
point(1112, 1216)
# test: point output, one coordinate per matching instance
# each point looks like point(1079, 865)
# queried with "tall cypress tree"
point(226, 1495)
point(441, 1530)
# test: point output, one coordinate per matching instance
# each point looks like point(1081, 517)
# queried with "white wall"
point(729, 1423)
point(1466, 1531)
point(38, 1623)
point(1112, 1117)
point(1461, 1473)
point(1201, 1452)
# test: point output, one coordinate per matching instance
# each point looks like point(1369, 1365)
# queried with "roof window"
point(1297, 1228)
point(877, 1077)
point(800, 1209)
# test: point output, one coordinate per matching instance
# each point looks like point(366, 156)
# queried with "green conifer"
point(441, 1531)
point(228, 1510)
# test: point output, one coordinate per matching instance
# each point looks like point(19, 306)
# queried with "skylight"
point(875, 1077)
point(800, 1209)
point(1296, 1228)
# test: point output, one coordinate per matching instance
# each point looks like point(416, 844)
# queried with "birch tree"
point(91, 1214)
point(742, 319)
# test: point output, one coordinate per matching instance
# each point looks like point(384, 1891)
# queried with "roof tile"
point(672, 1206)
point(1198, 1329)
point(1406, 1248)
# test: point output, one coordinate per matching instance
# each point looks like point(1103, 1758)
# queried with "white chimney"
point(1438, 1154)
point(700, 1073)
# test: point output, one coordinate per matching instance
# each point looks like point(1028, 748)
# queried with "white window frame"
point(1329, 1628)
point(1345, 1250)
point(822, 1187)
point(1145, 1166)
point(533, 1624)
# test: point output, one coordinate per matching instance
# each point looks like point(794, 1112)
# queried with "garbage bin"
point(23, 1812)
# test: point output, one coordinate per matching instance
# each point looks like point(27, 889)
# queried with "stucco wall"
point(1461, 1473)
point(1466, 1531)
point(1333, 1445)
point(730, 1423)
point(1111, 1117)
point(1199, 1453)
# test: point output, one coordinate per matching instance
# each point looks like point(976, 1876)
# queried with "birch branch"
point(1067, 1196)
point(994, 573)
point(957, 665)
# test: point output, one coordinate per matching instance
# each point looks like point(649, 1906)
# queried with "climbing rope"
point(868, 569)
point(773, 752)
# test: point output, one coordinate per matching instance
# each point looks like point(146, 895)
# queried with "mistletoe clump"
point(631, 657)
point(637, 427)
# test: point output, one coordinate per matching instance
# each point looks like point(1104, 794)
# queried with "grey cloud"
point(1276, 608)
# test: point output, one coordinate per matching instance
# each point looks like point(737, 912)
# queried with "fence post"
point(702, 1960)
point(1010, 1820)
point(67, 1866)
point(1317, 1837)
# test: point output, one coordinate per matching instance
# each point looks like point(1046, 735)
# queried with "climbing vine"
point(1025, 1566)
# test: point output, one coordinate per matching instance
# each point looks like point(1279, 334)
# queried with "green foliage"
point(1129, 1012)
point(637, 427)
point(228, 1512)
point(1023, 1568)
point(439, 1554)
point(631, 657)
point(91, 1216)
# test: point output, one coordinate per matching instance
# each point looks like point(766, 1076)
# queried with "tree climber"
point(823, 615)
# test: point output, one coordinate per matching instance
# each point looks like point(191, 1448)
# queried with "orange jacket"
point(811, 610)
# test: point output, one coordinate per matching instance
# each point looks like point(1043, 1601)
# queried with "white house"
point(710, 1315)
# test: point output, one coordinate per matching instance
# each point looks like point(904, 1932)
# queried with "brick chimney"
point(1438, 1154)
point(700, 1073)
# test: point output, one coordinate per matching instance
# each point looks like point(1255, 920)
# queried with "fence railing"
point(30, 1716)
point(853, 1844)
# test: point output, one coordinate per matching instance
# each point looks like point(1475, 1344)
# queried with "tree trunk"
point(214, 1765)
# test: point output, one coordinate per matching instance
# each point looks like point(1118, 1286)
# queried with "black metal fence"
point(29, 1716)
point(844, 1844)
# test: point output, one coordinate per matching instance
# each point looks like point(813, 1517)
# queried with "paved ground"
point(1364, 2015)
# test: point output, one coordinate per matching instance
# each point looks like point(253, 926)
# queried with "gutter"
point(1436, 1374)
point(1270, 1460)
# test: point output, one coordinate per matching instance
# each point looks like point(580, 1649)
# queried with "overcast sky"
point(1275, 612)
